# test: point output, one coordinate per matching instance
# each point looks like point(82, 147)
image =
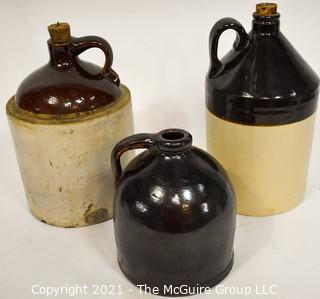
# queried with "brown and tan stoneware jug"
point(261, 101)
point(65, 119)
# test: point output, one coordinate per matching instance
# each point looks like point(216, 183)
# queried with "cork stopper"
point(59, 33)
point(266, 9)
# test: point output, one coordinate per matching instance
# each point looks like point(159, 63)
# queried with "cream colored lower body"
point(267, 165)
point(66, 167)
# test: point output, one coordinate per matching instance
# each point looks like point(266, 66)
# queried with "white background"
point(161, 53)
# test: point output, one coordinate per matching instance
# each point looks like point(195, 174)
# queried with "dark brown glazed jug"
point(174, 214)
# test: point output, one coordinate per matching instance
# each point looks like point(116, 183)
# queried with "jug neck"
point(266, 25)
point(266, 19)
point(60, 56)
point(60, 46)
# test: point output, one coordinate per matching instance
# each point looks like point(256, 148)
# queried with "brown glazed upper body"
point(262, 80)
point(67, 84)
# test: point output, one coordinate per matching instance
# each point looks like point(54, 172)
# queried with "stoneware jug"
point(174, 214)
point(65, 119)
point(261, 100)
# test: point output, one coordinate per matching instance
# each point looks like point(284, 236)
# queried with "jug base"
point(207, 284)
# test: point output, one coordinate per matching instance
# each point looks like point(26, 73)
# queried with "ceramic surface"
point(174, 213)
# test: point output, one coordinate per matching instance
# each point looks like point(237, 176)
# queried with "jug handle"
point(82, 44)
point(137, 141)
point(241, 42)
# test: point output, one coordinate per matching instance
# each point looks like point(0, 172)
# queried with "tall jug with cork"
point(261, 100)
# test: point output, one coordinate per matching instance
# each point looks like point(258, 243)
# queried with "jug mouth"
point(60, 34)
point(266, 13)
point(266, 9)
point(173, 140)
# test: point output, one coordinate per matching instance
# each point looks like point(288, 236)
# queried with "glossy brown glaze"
point(174, 214)
point(262, 80)
point(67, 84)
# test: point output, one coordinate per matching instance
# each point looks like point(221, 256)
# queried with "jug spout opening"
point(266, 19)
point(266, 13)
point(172, 135)
point(173, 140)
